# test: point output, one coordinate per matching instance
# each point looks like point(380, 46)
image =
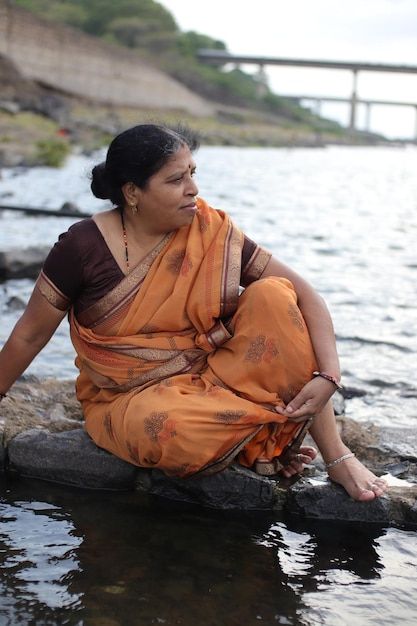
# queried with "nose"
point(192, 189)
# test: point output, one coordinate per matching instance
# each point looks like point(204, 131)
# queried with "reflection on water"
point(39, 553)
point(72, 557)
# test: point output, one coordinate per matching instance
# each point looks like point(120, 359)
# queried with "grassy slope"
point(242, 118)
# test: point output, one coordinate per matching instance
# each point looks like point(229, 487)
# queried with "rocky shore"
point(42, 437)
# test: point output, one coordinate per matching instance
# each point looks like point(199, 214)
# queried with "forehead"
point(180, 160)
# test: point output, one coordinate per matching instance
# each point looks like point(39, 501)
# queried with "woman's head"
point(135, 156)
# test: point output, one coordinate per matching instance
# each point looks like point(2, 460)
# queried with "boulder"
point(389, 449)
point(322, 499)
point(69, 458)
point(22, 263)
point(233, 488)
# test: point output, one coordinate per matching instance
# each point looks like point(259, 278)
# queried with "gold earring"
point(134, 208)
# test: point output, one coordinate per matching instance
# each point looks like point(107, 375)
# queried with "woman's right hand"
point(312, 398)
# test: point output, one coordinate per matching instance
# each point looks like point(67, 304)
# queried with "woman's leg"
point(360, 483)
point(268, 360)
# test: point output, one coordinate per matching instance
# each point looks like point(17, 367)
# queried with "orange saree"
point(179, 372)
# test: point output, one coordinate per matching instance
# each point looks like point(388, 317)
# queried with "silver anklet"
point(339, 460)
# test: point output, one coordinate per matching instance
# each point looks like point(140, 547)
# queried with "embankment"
point(72, 62)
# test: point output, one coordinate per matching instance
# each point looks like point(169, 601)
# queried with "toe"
point(309, 452)
point(366, 495)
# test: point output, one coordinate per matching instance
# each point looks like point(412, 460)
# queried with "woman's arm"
point(317, 392)
point(31, 333)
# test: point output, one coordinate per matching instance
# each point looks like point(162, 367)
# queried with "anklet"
point(339, 460)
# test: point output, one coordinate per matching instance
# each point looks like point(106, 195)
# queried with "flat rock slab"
point(315, 499)
point(70, 458)
point(235, 488)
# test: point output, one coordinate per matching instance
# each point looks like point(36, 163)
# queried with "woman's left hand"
point(309, 401)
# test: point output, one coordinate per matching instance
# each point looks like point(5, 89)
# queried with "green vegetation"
point(51, 152)
point(148, 28)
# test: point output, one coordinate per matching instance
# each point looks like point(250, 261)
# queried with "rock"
point(18, 263)
point(70, 458)
point(338, 403)
point(233, 488)
point(9, 106)
point(70, 206)
point(3, 456)
point(325, 500)
point(49, 404)
point(383, 448)
point(15, 304)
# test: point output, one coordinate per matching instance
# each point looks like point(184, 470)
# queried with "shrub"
point(51, 152)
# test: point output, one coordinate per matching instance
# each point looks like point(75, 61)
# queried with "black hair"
point(135, 155)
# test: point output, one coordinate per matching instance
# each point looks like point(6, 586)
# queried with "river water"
point(346, 219)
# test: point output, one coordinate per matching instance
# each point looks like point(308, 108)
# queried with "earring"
point(134, 208)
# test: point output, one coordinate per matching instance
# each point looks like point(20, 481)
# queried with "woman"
point(177, 371)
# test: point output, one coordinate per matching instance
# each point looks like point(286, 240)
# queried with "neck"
point(140, 233)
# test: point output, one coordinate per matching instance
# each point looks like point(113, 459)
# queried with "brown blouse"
point(81, 266)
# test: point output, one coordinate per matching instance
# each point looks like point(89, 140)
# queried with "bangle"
point(332, 379)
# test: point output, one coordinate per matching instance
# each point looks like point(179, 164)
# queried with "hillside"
point(61, 86)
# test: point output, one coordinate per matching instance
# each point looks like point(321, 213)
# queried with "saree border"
point(224, 461)
point(230, 280)
point(256, 265)
point(51, 293)
point(124, 291)
point(185, 362)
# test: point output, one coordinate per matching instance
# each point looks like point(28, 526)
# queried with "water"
point(344, 218)
point(123, 559)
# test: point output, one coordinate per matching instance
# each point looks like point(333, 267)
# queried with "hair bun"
point(100, 185)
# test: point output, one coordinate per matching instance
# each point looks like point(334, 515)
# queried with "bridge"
point(221, 57)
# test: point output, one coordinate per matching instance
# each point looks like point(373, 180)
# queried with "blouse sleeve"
point(61, 278)
point(254, 261)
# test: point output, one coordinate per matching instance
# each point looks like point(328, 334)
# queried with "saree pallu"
point(179, 372)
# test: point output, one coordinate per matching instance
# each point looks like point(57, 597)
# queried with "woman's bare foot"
point(296, 466)
point(360, 483)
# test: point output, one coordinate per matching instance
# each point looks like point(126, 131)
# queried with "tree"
point(190, 42)
point(140, 33)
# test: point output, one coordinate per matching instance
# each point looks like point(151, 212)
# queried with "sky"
point(341, 30)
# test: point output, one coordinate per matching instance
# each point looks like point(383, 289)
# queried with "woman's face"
point(168, 201)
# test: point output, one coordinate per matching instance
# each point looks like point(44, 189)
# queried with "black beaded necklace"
point(125, 242)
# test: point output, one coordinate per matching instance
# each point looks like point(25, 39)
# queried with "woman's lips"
point(192, 207)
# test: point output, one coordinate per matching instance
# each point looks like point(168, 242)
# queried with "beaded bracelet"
point(332, 379)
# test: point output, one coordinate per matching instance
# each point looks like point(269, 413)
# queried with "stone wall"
point(73, 62)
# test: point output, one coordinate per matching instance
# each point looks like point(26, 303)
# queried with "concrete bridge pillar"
point(415, 127)
point(353, 101)
point(368, 116)
point(261, 82)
